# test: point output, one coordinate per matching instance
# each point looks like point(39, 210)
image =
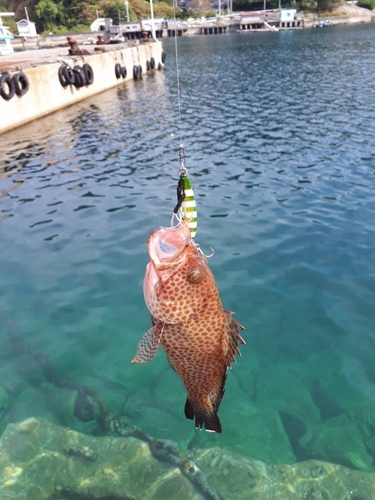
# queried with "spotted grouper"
point(199, 337)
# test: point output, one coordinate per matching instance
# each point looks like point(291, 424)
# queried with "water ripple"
point(278, 134)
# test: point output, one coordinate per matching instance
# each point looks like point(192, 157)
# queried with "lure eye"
point(195, 276)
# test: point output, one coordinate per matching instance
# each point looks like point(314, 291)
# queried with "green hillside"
point(77, 15)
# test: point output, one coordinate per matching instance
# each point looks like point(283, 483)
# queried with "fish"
point(199, 337)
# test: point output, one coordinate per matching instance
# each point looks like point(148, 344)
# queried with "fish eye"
point(195, 276)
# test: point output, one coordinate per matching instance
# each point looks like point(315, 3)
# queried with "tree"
point(83, 12)
point(326, 5)
point(50, 13)
point(202, 5)
point(367, 4)
point(163, 9)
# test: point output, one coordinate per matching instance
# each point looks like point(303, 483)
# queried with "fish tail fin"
point(205, 415)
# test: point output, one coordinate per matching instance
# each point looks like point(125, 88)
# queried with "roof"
point(252, 13)
point(25, 21)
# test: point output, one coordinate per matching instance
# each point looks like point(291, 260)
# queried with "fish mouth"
point(166, 244)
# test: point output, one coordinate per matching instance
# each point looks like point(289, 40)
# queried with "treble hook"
point(201, 251)
point(175, 215)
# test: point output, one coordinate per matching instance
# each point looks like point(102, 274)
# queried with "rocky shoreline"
point(342, 15)
point(42, 461)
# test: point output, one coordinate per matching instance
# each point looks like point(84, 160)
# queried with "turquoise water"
point(278, 131)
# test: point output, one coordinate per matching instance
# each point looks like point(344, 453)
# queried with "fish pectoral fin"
point(149, 343)
point(205, 415)
point(233, 338)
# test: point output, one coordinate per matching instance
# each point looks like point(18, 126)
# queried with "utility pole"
point(152, 21)
point(127, 10)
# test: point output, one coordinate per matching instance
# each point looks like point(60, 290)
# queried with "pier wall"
point(46, 94)
point(340, 20)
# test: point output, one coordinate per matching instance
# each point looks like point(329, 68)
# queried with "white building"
point(101, 24)
point(26, 28)
point(288, 15)
point(289, 19)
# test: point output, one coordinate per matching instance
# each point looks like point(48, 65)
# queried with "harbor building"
point(26, 28)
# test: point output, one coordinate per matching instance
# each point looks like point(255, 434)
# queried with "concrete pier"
point(46, 93)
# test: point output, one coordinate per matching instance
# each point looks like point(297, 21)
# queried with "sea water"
point(278, 130)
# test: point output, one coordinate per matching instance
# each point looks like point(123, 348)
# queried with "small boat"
point(323, 24)
point(5, 36)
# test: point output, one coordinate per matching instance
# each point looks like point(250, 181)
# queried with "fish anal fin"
point(205, 415)
point(217, 395)
point(149, 343)
point(233, 338)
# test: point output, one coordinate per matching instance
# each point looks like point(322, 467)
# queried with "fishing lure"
point(188, 208)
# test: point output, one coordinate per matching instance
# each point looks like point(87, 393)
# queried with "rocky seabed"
point(42, 461)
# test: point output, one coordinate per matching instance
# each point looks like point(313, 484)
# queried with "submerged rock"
point(282, 390)
point(339, 384)
point(241, 478)
point(4, 398)
point(41, 461)
point(338, 440)
point(254, 432)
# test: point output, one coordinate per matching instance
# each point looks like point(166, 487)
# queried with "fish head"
point(178, 280)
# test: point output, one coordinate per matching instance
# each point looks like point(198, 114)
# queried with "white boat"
point(5, 36)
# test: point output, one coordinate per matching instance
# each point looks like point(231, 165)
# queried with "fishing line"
point(177, 72)
point(186, 208)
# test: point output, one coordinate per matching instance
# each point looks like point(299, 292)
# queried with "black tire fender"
point(136, 74)
point(118, 70)
point(62, 79)
point(66, 75)
point(123, 72)
point(69, 75)
point(148, 65)
point(7, 81)
point(21, 83)
point(140, 72)
point(152, 63)
point(163, 56)
point(87, 69)
point(79, 76)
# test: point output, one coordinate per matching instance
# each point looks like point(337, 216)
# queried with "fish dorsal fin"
point(233, 338)
point(149, 343)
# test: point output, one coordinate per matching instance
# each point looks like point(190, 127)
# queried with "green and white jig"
point(186, 208)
